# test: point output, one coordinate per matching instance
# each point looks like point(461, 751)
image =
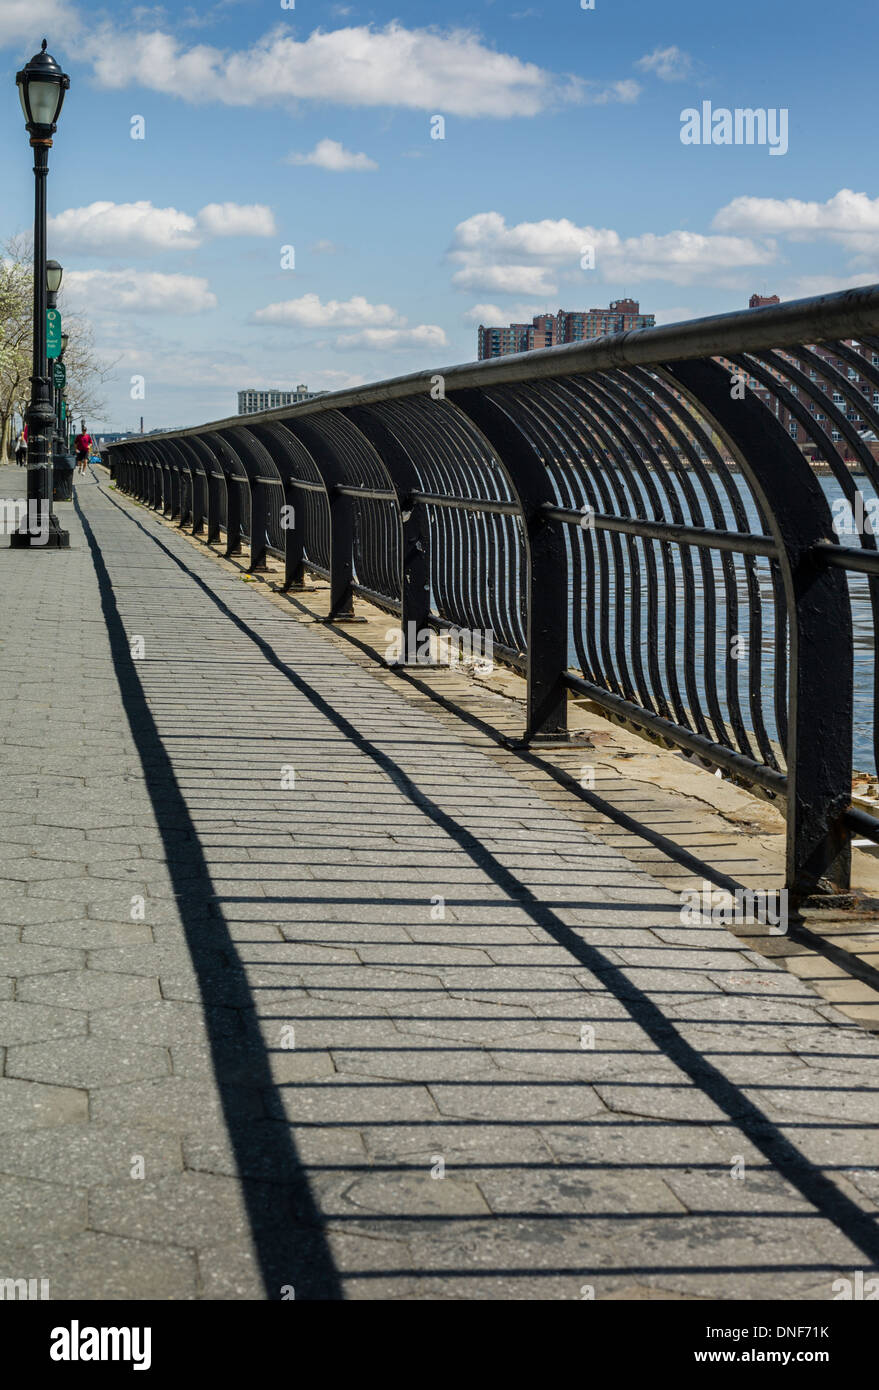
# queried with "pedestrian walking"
point(83, 446)
point(21, 449)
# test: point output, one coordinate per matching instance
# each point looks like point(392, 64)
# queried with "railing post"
point(233, 514)
point(547, 569)
point(414, 531)
point(257, 525)
point(341, 520)
point(198, 497)
point(184, 484)
point(212, 483)
point(294, 539)
point(821, 674)
point(341, 557)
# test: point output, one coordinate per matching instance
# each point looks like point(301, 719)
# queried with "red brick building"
point(567, 326)
point(857, 386)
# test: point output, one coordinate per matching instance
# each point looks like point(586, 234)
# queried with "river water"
point(863, 755)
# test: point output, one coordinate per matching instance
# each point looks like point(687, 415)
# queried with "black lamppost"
point(41, 87)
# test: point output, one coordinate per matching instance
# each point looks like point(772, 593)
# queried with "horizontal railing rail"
point(651, 521)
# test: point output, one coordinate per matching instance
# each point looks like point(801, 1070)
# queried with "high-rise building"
point(567, 326)
point(251, 400)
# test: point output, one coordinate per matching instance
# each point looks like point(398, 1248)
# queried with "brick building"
point(857, 385)
point(566, 326)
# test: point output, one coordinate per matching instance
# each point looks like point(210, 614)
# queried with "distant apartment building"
point(857, 384)
point(566, 326)
point(251, 401)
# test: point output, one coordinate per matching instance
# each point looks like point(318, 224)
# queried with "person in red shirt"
point(82, 445)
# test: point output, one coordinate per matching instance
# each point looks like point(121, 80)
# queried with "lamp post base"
point(54, 538)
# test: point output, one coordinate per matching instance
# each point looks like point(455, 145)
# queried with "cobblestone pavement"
point(301, 993)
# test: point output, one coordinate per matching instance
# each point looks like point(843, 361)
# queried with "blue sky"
point(268, 127)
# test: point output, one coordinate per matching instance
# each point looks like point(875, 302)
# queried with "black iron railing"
point(641, 519)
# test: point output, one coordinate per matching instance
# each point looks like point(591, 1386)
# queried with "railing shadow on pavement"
point(611, 981)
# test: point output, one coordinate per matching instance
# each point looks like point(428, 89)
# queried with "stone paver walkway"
point(303, 996)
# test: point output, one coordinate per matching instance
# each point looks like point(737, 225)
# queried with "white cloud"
point(493, 314)
point(333, 380)
point(683, 257)
point(309, 312)
point(804, 286)
point(670, 64)
point(549, 242)
point(237, 219)
point(594, 94)
point(484, 313)
point(848, 217)
point(142, 230)
point(324, 248)
point(330, 154)
point(455, 71)
point(146, 292)
point(428, 335)
point(21, 21)
point(375, 325)
point(206, 370)
point(505, 279)
point(531, 257)
point(137, 228)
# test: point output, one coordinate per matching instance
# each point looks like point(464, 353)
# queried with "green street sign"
point(59, 375)
point(53, 332)
point(63, 411)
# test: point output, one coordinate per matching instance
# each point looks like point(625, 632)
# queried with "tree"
point(86, 371)
point(16, 335)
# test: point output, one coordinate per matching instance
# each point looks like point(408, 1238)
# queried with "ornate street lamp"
point(41, 88)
